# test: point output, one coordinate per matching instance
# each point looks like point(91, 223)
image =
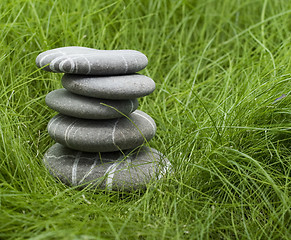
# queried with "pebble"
point(89, 61)
point(74, 105)
point(127, 171)
point(102, 135)
point(110, 87)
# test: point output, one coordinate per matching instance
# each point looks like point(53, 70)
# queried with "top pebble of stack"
point(88, 61)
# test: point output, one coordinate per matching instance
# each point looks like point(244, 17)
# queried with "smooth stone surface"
point(102, 135)
point(110, 87)
point(127, 171)
point(89, 61)
point(74, 105)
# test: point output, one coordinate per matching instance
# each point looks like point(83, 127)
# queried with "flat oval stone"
point(127, 171)
point(74, 105)
point(110, 87)
point(89, 61)
point(102, 135)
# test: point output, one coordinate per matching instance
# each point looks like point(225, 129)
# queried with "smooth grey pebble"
point(74, 105)
point(102, 135)
point(124, 171)
point(89, 61)
point(110, 87)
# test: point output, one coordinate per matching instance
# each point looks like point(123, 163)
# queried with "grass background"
point(218, 67)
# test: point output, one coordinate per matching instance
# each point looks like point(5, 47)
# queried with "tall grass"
point(218, 68)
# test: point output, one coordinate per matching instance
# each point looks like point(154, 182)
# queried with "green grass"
point(218, 68)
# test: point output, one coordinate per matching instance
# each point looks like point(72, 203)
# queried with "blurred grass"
point(218, 68)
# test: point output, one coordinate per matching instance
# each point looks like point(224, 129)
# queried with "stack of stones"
point(99, 133)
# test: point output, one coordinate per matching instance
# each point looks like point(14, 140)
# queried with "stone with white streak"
point(123, 171)
point(102, 135)
point(89, 61)
point(74, 105)
point(109, 87)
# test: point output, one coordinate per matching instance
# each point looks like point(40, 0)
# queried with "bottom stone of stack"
point(119, 171)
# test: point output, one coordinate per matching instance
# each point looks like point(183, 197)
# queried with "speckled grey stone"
point(74, 105)
point(89, 61)
point(110, 87)
point(127, 171)
point(102, 135)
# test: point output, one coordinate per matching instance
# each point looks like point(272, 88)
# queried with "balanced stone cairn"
point(99, 133)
